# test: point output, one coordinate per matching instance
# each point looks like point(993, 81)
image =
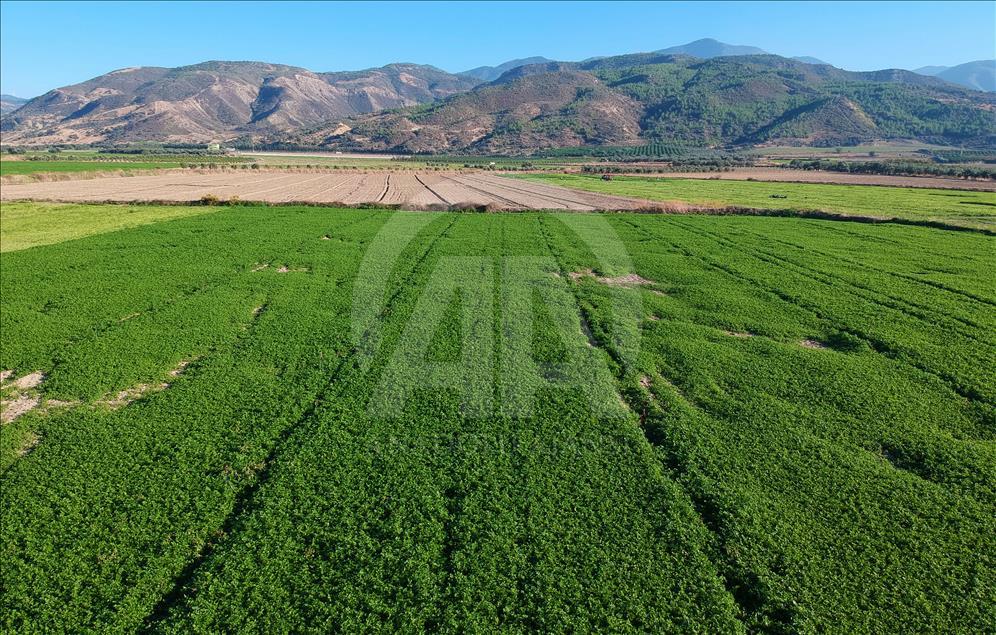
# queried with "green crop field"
point(961, 207)
point(304, 419)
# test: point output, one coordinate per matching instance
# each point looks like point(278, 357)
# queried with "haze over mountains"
point(978, 75)
point(10, 103)
point(491, 73)
point(702, 93)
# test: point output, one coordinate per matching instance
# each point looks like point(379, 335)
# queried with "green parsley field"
point(305, 419)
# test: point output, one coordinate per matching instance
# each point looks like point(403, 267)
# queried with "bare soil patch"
point(32, 380)
point(129, 395)
point(813, 344)
point(19, 405)
point(20, 396)
point(178, 370)
point(627, 280)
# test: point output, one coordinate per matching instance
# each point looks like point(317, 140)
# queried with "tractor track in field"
point(902, 276)
point(739, 580)
point(387, 186)
point(156, 308)
point(245, 502)
point(879, 346)
point(149, 310)
point(431, 189)
point(512, 203)
point(538, 194)
point(734, 578)
point(582, 199)
point(884, 272)
point(910, 309)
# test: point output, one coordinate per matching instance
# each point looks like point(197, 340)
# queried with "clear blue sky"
point(46, 45)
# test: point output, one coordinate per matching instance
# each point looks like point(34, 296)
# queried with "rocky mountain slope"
point(218, 101)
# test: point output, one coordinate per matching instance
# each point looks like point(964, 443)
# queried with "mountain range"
point(10, 103)
point(652, 97)
point(978, 75)
point(218, 100)
point(703, 93)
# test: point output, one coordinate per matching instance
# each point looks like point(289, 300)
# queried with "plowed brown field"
point(408, 189)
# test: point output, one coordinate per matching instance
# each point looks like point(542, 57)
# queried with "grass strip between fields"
point(968, 208)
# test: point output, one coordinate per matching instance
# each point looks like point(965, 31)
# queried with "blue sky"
point(46, 45)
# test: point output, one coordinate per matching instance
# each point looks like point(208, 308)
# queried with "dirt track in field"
point(840, 178)
point(408, 189)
